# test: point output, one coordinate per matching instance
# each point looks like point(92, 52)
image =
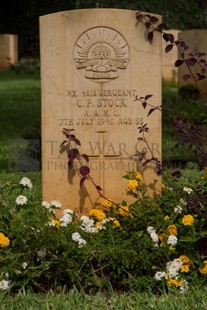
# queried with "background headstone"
point(196, 39)
point(169, 71)
point(8, 50)
point(93, 64)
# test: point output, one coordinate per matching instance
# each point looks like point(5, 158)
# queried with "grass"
point(74, 300)
point(20, 104)
point(20, 110)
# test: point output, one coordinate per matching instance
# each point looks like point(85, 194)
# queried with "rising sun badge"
point(101, 54)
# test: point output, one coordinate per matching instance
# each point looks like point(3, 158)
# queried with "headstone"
point(8, 50)
point(93, 64)
point(169, 71)
point(196, 40)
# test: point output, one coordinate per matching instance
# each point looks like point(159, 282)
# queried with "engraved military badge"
point(101, 54)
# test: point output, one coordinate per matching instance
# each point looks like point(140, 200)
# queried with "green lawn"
point(20, 104)
point(20, 111)
point(74, 300)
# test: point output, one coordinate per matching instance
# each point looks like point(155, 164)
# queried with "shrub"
point(150, 243)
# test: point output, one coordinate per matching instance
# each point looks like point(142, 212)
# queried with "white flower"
point(184, 287)
point(172, 240)
point(187, 190)
point(88, 224)
point(66, 211)
point(183, 202)
point(77, 238)
point(21, 200)
point(26, 182)
point(24, 265)
point(65, 219)
point(152, 232)
point(178, 209)
point(41, 254)
point(46, 204)
point(150, 229)
point(159, 275)
point(173, 267)
point(154, 237)
point(56, 204)
point(4, 285)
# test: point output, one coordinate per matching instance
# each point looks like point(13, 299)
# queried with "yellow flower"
point(138, 176)
point(163, 237)
point(172, 229)
point(56, 223)
point(204, 269)
point(116, 223)
point(124, 211)
point(187, 220)
point(166, 218)
point(174, 282)
point(98, 214)
point(185, 260)
point(4, 241)
point(98, 225)
point(107, 203)
point(184, 268)
point(163, 186)
point(132, 184)
point(171, 248)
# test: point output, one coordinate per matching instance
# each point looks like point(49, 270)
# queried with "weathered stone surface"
point(8, 50)
point(93, 64)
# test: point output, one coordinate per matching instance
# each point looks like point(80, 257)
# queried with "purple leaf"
point(190, 61)
point(72, 137)
point(147, 97)
point(186, 76)
point(82, 180)
point(176, 174)
point(153, 19)
point(168, 37)
point(138, 15)
point(200, 76)
point(146, 162)
point(150, 111)
point(162, 27)
point(147, 25)
point(70, 164)
point(150, 36)
point(199, 54)
point(84, 170)
point(98, 188)
point(63, 143)
point(168, 48)
point(85, 157)
point(77, 141)
point(144, 104)
point(178, 62)
point(73, 153)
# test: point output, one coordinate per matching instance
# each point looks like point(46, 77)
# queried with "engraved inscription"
point(101, 54)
